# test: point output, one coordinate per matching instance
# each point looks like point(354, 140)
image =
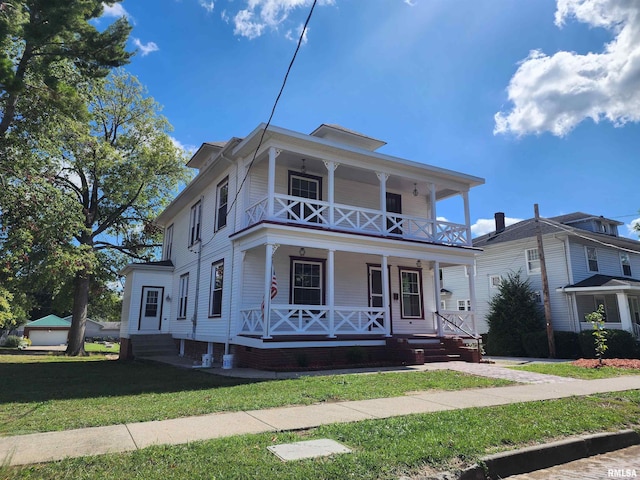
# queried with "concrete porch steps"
point(415, 351)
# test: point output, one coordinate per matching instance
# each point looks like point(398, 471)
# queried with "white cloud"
point(261, 14)
point(294, 38)
point(116, 10)
point(208, 6)
point(633, 228)
point(190, 149)
point(225, 16)
point(555, 93)
point(147, 48)
point(488, 225)
point(410, 3)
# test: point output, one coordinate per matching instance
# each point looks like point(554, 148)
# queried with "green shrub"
point(536, 344)
point(12, 341)
point(567, 345)
point(620, 344)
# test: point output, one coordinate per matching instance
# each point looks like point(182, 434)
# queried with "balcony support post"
point(266, 310)
point(384, 266)
point(433, 213)
point(467, 216)
point(472, 296)
point(436, 283)
point(331, 291)
point(331, 167)
point(271, 183)
point(383, 200)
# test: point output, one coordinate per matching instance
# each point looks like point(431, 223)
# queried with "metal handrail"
point(476, 337)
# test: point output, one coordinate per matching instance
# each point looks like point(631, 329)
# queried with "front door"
point(376, 298)
point(394, 205)
point(151, 309)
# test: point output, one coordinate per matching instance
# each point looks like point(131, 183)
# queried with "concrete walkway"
point(49, 446)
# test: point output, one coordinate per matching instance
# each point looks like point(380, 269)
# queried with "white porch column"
point(331, 290)
point(433, 213)
point(625, 313)
point(331, 167)
point(271, 183)
point(472, 296)
point(266, 313)
point(384, 265)
point(436, 283)
point(383, 199)
point(467, 216)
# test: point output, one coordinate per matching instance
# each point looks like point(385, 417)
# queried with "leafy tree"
point(599, 334)
point(513, 313)
point(92, 195)
point(36, 36)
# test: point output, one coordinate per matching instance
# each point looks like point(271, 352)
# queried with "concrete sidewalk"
point(43, 447)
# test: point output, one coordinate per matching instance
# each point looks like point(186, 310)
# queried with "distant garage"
point(46, 331)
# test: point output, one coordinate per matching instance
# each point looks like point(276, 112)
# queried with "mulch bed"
point(607, 362)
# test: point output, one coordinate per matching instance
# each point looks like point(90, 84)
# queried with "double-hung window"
point(495, 281)
point(592, 258)
point(464, 305)
point(307, 282)
point(184, 294)
point(625, 261)
point(222, 200)
point(168, 242)
point(411, 284)
point(307, 187)
point(194, 224)
point(215, 301)
point(533, 261)
point(151, 304)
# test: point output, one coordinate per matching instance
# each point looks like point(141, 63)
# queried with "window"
point(441, 277)
point(151, 304)
point(184, 293)
point(537, 296)
point(168, 242)
point(533, 261)
point(443, 304)
point(411, 305)
point(625, 261)
point(307, 282)
point(194, 225)
point(215, 301)
point(464, 305)
point(223, 197)
point(592, 258)
point(308, 187)
point(495, 281)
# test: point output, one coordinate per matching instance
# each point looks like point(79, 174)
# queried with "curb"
point(538, 457)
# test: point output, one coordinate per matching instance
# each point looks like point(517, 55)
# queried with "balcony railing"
point(308, 320)
point(455, 322)
point(355, 219)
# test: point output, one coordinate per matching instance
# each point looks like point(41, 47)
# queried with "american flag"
point(274, 287)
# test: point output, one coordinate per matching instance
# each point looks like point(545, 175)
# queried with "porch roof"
point(600, 283)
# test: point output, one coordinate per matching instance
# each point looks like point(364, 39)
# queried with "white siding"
point(608, 261)
point(136, 280)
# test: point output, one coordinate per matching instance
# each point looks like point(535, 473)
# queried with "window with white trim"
point(151, 304)
point(625, 262)
point(443, 304)
point(464, 305)
point(168, 242)
point(222, 197)
point(495, 281)
point(194, 223)
point(215, 298)
point(537, 296)
point(533, 261)
point(592, 258)
point(307, 282)
point(411, 285)
point(183, 295)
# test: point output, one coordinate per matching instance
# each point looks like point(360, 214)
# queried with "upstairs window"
point(625, 261)
point(464, 305)
point(495, 281)
point(533, 261)
point(592, 259)
point(168, 242)
point(222, 199)
point(194, 223)
point(184, 294)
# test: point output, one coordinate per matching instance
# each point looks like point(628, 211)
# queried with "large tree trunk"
point(75, 346)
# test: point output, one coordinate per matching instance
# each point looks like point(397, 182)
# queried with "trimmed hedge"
point(620, 344)
point(567, 345)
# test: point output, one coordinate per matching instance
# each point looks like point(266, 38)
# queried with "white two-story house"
point(588, 264)
point(295, 248)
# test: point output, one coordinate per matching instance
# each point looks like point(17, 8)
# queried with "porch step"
point(418, 350)
point(153, 345)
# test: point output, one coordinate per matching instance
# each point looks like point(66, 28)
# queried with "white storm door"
point(151, 309)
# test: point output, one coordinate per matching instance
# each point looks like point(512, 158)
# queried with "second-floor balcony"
point(348, 218)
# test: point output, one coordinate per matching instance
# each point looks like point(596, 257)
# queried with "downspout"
point(194, 320)
point(227, 341)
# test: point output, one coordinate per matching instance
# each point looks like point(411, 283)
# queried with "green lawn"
point(102, 348)
point(382, 449)
point(48, 392)
point(568, 370)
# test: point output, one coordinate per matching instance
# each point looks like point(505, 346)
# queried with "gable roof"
point(580, 217)
point(561, 224)
point(49, 321)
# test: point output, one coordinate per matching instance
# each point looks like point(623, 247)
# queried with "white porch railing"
point(455, 322)
point(301, 320)
point(636, 330)
point(356, 219)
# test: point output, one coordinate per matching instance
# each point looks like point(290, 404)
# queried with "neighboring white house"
point(317, 242)
point(588, 265)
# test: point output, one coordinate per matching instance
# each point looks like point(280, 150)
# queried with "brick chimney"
point(499, 217)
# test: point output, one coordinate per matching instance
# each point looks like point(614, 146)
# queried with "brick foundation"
point(126, 350)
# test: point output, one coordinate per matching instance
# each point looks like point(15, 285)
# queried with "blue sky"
point(539, 97)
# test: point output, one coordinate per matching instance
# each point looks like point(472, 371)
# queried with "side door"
point(151, 309)
point(394, 205)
